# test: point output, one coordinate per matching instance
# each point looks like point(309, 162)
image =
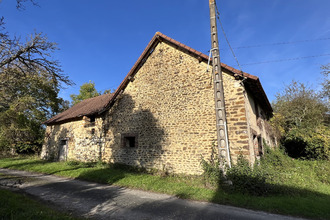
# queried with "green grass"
point(301, 188)
point(20, 206)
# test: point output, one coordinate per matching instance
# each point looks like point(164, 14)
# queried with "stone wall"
point(236, 117)
point(170, 108)
point(259, 128)
point(84, 140)
point(164, 119)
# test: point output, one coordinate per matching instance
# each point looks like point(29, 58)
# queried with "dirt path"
point(98, 201)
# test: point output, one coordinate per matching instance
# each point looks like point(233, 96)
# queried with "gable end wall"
point(169, 109)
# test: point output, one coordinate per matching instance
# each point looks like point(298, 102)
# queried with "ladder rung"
point(220, 124)
point(220, 108)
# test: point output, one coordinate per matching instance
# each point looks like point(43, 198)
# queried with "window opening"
point(260, 146)
point(92, 118)
point(129, 140)
point(63, 142)
point(256, 109)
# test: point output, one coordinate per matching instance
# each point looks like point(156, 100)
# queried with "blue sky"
point(100, 40)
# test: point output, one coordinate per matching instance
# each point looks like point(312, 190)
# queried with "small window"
point(257, 142)
point(64, 142)
point(92, 118)
point(129, 141)
point(260, 150)
point(93, 131)
point(89, 121)
point(256, 109)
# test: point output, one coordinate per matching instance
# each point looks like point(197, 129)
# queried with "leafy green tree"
point(30, 80)
point(25, 102)
point(87, 90)
point(326, 83)
point(107, 91)
point(300, 106)
point(300, 115)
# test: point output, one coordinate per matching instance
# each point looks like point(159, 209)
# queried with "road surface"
point(99, 201)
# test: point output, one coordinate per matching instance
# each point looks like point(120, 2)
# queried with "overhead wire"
point(224, 33)
point(280, 43)
point(283, 60)
point(266, 44)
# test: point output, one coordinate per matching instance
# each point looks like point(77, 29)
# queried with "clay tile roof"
point(86, 107)
point(252, 82)
point(101, 103)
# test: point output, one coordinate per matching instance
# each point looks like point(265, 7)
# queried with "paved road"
point(100, 201)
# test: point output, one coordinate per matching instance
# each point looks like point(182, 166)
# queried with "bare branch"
point(20, 4)
point(33, 54)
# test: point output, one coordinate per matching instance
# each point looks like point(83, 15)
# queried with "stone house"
point(163, 114)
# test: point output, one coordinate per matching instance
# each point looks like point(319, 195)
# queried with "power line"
point(224, 33)
point(280, 43)
point(283, 60)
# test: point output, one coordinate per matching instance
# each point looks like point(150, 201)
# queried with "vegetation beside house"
point(292, 187)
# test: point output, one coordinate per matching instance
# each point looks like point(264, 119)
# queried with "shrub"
point(247, 179)
point(318, 144)
point(308, 144)
point(73, 162)
point(212, 173)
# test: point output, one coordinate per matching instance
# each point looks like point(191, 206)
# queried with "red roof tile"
point(86, 107)
point(252, 81)
point(101, 103)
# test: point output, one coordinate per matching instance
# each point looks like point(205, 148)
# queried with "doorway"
point(63, 151)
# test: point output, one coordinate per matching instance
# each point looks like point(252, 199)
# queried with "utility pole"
point(221, 123)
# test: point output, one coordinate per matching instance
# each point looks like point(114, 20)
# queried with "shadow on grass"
point(102, 175)
point(24, 163)
point(110, 173)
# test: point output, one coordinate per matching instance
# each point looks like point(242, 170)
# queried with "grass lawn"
point(302, 187)
point(19, 206)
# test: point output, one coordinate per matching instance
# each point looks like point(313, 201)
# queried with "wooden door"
point(63, 151)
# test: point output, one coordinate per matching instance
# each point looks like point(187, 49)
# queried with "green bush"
point(247, 179)
point(308, 144)
point(212, 173)
point(275, 158)
point(318, 146)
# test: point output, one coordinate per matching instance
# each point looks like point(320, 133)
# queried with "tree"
point(25, 102)
point(29, 84)
point(107, 91)
point(20, 5)
point(87, 90)
point(326, 83)
point(300, 106)
point(300, 115)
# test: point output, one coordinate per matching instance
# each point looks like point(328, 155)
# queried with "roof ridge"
point(157, 38)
